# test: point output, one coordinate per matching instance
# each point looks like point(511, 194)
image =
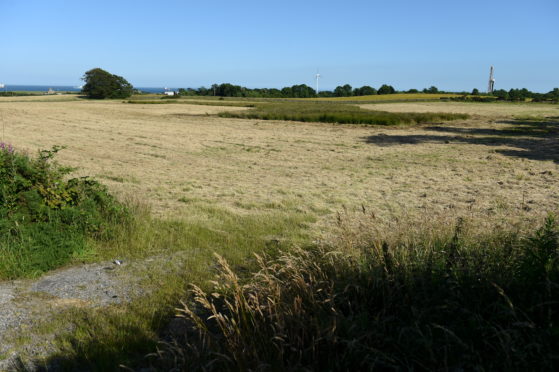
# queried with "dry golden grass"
point(498, 110)
point(177, 155)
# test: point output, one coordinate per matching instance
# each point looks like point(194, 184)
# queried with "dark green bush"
point(46, 219)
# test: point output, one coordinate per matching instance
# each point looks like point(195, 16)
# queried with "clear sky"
point(405, 43)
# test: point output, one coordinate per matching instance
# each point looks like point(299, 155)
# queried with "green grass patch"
point(103, 338)
point(337, 113)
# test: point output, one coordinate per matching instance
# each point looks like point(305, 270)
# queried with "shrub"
point(46, 219)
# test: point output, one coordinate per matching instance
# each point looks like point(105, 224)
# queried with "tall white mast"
point(491, 84)
point(317, 77)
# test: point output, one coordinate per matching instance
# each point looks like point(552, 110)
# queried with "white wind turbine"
point(317, 77)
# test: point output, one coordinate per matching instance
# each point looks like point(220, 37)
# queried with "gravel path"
point(24, 302)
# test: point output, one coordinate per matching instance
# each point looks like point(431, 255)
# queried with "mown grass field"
point(178, 155)
point(237, 186)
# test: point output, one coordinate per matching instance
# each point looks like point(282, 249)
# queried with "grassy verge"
point(440, 298)
point(450, 302)
point(337, 113)
point(103, 338)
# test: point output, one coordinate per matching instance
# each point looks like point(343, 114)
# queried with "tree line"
point(295, 91)
point(523, 94)
point(102, 84)
point(305, 91)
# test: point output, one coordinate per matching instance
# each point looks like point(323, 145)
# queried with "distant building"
point(51, 91)
point(169, 93)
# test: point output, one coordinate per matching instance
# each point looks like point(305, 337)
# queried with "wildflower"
point(6, 147)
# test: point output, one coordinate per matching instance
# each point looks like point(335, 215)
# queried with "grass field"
point(179, 155)
point(488, 110)
point(234, 185)
point(336, 113)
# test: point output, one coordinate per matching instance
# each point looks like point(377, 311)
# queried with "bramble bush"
point(45, 218)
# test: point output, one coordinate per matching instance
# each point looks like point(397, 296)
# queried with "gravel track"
point(24, 303)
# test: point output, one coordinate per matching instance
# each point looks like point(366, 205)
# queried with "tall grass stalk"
point(454, 303)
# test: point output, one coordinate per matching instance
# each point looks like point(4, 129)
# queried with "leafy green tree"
point(386, 89)
point(227, 90)
point(364, 91)
point(326, 94)
point(432, 90)
point(475, 92)
point(302, 91)
point(100, 84)
point(501, 94)
point(553, 95)
point(519, 94)
point(413, 91)
point(343, 91)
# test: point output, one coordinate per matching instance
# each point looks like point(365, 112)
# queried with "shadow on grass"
point(535, 139)
point(456, 302)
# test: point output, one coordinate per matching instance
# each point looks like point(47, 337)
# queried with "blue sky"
point(405, 43)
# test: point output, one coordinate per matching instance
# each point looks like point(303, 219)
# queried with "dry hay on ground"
point(491, 110)
point(174, 156)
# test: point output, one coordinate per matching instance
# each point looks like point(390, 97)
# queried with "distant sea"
point(66, 88)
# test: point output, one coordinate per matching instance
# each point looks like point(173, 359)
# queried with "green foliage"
point(44, 218)
point(298, 91)
point(386, 89)
point(501, 94)
point(364, 91)
point(432, 90)
point(553, 95)
point(100, 84)
point(336, 113)
point(443, 303)
point(343, 91)
point(475, 92)
point(519, 94)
